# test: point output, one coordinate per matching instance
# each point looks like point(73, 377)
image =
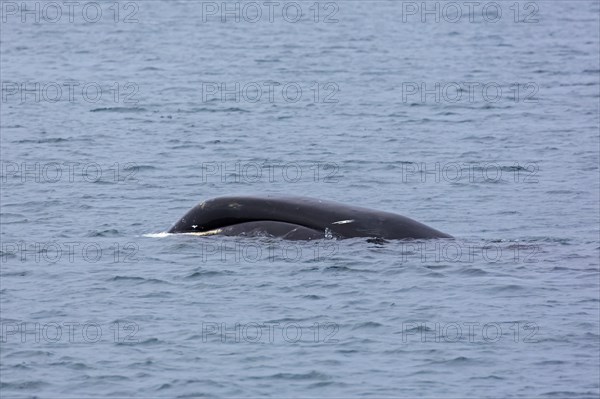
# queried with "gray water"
point(482, 124)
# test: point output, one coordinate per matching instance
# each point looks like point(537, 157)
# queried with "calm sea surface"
point(479, 120)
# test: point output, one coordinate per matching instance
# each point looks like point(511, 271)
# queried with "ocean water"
point(482, 122)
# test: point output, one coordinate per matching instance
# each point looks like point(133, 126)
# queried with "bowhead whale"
point(297, 218)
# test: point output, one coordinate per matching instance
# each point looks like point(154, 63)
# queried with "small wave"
point(139, 280)
point(311, 296)
point(42, 141)
point(14, 274)
point(510, 288)
point(473, 272)
point(149, 341)
point(368, 324)
point(211, 110)
point(559, 192)
point(488, 377)
point(262, 60)
point(457, 360)
point(113, 377)
point(36, 385)
point(119, 109)
point(207, 273)
point(312, 375)
point(125, 278)
point(76, 366)
point(137, 168)
point(337, 268)
point(420, 328)
point(550, 363)
point(569, 394)
point(320, 384)
point(30, 354)
point(103, 233)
